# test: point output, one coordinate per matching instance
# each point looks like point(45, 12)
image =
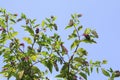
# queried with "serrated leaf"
point(82, 52)
point(36, 25)
point(83, 75)
point(67, 27)
point(78, 59)
point(28, 40)
point(48, 64)
point(29, 29)
point(75, 43)
point(87, 31)
point(105, 72)
point(80, 27)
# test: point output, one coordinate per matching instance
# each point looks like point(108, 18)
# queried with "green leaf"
point(87, 31)
point(94, 33)
point(23, 16)
point(80, 27)
point(72, 36)
point(60, 75)
point(48, 20)
point(11, 28)
point(67, 27)
point(91, 69)
point(44, 53)
point(13, 20)
point(28, 40)
point(43, 23)
point(34, 57)
point(37, 25)
point(33, 21)
point(82, 52)
point(88, 41)
point(29, 29)
point(78, 59)
point(48, 64)
point(75, 43)
point(55, 27)
point(83, 75)
point(35, 69)
point(105, 72)
point(2, 23)
point(64, 68)
point(104, 62)
point(97, 70)
point(87, 71)
point(14, 34)
point(56, 66)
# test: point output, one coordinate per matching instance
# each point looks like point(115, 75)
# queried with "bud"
point(56, 66)
point(27, 21)
point(79, 15)
point(29, 47)
point(37, 30)
point(71, 23)
point(4, 69)
point(75, 77)
point(86, 36)
point(44, 30)
point(117, 73)
point(12, 63)
point(1, 29)
point(64, 49)
point(11, 45)
point(86, 63)
point(22, 44)
point(55, 27)
point(6, 18)
point(25, 59)
point(15, 14)
point(52, 17)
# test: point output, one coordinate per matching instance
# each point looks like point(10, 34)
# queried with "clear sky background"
point(102, 15)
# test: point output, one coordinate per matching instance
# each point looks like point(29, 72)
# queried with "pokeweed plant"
point(20, 58)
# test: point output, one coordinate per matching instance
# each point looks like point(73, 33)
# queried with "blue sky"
point(102, 15)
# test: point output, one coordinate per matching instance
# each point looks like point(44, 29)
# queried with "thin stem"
point(61, 57)
point(74, 52)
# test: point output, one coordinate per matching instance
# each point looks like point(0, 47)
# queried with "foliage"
point(20, 58)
